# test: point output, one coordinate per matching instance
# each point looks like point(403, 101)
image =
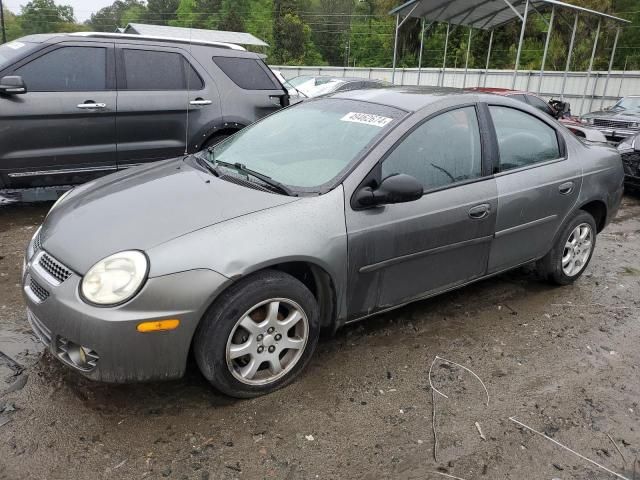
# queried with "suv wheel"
point(572, 250)
point(258, 336)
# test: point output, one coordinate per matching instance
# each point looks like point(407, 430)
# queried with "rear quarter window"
point(247, 73)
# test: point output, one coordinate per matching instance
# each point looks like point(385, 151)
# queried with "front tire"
point(258, 336)
point(572, 250)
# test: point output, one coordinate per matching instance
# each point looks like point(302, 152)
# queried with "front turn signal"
point(158, 326)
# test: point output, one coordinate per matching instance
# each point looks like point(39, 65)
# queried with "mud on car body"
point(322, 214)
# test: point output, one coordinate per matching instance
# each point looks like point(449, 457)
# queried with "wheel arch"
point(317, 280)
point(215, 129)
point(598, 210)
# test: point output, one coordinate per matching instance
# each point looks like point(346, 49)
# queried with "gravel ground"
point(563, 361)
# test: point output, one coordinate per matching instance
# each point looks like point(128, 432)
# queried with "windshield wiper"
point(208, 165)
point(266, 179)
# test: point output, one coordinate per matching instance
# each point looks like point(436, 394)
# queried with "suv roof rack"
point(231, 46)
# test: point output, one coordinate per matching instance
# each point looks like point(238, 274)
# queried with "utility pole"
point(4, 31)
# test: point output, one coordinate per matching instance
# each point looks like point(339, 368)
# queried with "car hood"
point(144, 207)
point(623, 115)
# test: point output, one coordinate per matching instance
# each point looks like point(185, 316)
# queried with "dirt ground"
point(563, 361)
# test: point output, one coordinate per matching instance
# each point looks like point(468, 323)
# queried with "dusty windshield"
point(308, 145)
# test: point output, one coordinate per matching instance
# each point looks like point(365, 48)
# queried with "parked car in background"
point(76, 106)
point(325, 213)
point(556, 109)
point(629, 149)
point(324, 84)
point(618, 122)
point(295, 95)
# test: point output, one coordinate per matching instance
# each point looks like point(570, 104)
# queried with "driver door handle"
point(91, 105)
point(480, 211)
point(200, 101)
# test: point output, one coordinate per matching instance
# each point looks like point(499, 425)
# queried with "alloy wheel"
point(577, 250)
point(267, 341)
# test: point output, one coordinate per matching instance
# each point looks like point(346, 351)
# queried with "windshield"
point(628, 103)
point(308, 145)
point(301, 79)
point(9, 52)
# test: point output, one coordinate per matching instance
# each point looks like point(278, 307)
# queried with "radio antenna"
point(187, 72)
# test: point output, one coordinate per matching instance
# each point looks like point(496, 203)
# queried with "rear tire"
point(572, 250)
point(258, 336)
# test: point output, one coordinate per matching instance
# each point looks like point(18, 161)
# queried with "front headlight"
point(627, 145)
point(116, 278)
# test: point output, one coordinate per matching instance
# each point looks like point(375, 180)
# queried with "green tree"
point(161, 12)
point(12, 26)
point(41, 16)
point(118, 14)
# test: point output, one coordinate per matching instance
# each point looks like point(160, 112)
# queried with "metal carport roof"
point(491, 14)
point(483, 14)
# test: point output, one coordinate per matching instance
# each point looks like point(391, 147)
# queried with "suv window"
point(522, 138)
point(540, 104)
point(156, 70)
point(247, 73)
point(443, 150)
point(67, 69)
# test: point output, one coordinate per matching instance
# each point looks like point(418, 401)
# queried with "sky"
point(81, 8)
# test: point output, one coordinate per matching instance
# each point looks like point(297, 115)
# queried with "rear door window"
point(158, 70)
point(248, 73)
point(67, 69)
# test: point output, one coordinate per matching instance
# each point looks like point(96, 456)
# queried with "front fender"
point(310, 230)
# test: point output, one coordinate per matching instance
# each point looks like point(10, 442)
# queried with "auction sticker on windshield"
point(366, 118)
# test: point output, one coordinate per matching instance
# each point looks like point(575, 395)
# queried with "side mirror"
point(399, 188)
point(13, 85)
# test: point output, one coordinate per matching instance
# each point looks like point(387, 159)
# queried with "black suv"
point(77, 106)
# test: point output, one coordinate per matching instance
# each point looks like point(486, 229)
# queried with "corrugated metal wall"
point(583, 94)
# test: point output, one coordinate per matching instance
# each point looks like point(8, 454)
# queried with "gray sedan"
point(323, 214)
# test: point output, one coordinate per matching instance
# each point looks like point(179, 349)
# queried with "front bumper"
point(115, 351)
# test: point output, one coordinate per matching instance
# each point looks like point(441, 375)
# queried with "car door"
point(401, 252)
point(538, 185)
point(161, 94)
point(62, 131)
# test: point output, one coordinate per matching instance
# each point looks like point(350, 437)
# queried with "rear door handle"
point(92, 105)
point(480, 211)
point(200, 101)
point(566, 188)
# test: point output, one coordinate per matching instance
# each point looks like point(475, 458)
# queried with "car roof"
point(102, 36)
point(499, 91)
point(407, 98)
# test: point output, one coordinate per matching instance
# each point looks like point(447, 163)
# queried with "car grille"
point(43, 333)
point(38, 290)
point(604, 123)
point(37, 244)
point(631, 164)
point(54, 268)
